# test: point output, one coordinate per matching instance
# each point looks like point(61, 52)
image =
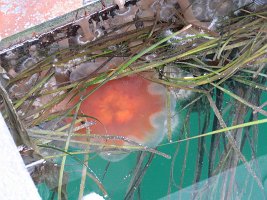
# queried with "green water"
point(157, 183)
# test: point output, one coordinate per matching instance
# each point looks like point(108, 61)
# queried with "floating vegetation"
point(146, 78)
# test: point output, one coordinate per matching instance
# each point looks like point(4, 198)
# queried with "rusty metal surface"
point(48, 26)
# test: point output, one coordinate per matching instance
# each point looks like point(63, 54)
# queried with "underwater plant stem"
point(66, 149)
point(139, 178)
point(169, 115)
point(232, 142)
point(233, 160)
point(201, 148)
point(215, 139)
point(136, 173)
point(84, 170)
point(90, 174)
point(19, 132)
point(255, 108)
point(34, 89)
point(83, 178)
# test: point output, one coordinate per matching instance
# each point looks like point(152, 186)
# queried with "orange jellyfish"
point(132, 107)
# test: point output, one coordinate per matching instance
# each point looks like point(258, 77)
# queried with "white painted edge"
point(15, 181)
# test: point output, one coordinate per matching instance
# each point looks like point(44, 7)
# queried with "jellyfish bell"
point(131, 110)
